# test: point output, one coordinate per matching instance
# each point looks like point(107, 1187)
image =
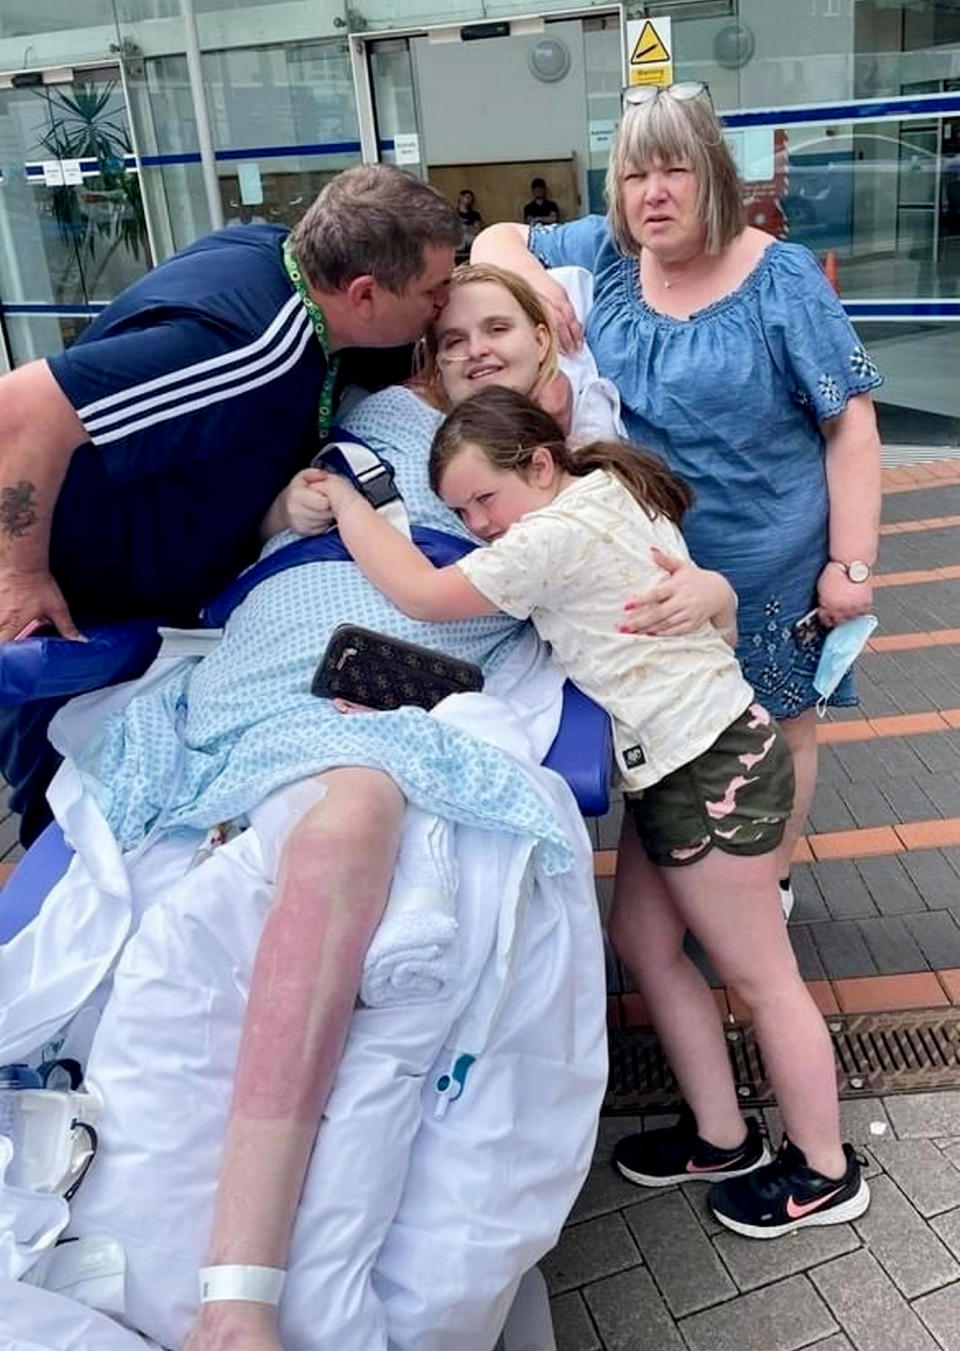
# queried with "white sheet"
point(30, 1222)
point(38, 1320)
point(415, 1226)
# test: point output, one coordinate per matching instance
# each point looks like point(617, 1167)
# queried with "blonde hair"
point(508, 427)
point(670, 130)
point(427, 379)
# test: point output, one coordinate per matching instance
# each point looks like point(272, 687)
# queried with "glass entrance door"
point(72, 227)
point(395, 104)
point(482, 116)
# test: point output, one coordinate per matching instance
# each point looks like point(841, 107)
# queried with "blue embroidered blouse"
point(732, 398)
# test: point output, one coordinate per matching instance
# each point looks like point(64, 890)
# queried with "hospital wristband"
point(260, 1284)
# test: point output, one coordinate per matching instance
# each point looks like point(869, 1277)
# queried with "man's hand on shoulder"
point(28, 595)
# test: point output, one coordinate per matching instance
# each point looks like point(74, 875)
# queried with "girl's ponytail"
point(508, 428)
point(648, 479)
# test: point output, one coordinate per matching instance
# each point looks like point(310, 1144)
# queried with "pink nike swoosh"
point(796, 1209)
point(704, 1168)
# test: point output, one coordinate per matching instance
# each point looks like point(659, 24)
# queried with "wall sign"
point(406, 145)
point(649, 51)
point(250, 182)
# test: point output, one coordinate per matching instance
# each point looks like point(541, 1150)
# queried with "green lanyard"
point(325, 411)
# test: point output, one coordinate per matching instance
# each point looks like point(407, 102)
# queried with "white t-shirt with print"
point(569, 567)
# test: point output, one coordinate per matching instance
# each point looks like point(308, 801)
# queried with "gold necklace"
point(662, 278)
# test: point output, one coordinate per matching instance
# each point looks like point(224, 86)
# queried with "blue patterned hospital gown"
point(216, 738)
point(731, 399)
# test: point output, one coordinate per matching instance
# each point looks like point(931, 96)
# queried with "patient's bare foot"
point(235, 1325)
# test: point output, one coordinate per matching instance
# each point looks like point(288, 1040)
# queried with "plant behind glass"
point(84, 126)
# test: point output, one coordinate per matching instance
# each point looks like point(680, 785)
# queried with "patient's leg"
point(332, 885)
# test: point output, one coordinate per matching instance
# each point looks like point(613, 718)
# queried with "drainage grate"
point(904, 1052)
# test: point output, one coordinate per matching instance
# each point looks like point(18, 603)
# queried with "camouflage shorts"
point(736, 796)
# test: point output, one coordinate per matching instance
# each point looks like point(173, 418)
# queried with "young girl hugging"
point(707, 775)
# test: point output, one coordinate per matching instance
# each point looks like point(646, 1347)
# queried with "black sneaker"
point(678, 1154)
point(788, 1195)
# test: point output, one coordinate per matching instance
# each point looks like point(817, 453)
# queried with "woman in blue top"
point(735, 362)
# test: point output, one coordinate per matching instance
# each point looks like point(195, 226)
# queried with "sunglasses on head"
point(636, 94)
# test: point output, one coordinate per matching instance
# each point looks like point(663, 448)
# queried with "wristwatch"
point(857, 570)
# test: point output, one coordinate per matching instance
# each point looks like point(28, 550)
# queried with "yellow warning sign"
point(661, 75)
point(649, 50)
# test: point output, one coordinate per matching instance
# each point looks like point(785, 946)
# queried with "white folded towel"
point(412, 957)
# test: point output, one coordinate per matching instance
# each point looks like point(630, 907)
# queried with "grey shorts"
point(736, 796)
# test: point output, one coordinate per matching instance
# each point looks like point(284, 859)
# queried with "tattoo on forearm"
point(18, 510)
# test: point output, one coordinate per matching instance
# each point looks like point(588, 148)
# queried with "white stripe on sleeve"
point(186, 373)
point(178, 410)
point(96, 425)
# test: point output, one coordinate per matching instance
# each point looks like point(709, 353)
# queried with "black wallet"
point(384, 673)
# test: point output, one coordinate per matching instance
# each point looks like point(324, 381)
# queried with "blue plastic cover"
point(582, 751)
point(46, 667)
point(41, 867)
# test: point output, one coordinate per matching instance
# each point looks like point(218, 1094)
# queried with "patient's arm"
point(332, 885)
point(684, 600)
point(556, 398)
point(300, 507)
point(397, 567)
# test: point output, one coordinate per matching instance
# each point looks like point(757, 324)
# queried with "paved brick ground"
point(10, 849)
point(639, 1270)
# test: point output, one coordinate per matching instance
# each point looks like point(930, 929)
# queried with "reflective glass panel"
point(26, 18)
point(31, 336)
point(283, 120)
point(72, 224)
point(391, 78)
point(372, 15)
point(134, 11)
point(883, 196)
point(919, 403)
point(604, 78)
point(778, 53)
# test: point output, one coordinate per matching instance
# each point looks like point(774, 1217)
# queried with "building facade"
point(147, 122)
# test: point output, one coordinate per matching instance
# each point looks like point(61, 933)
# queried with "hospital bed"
point(580, 753)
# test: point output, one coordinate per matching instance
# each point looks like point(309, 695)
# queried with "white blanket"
point(416, 1222)
point(39, 1320)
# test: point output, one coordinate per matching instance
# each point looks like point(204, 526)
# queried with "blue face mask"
point(841, 647)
